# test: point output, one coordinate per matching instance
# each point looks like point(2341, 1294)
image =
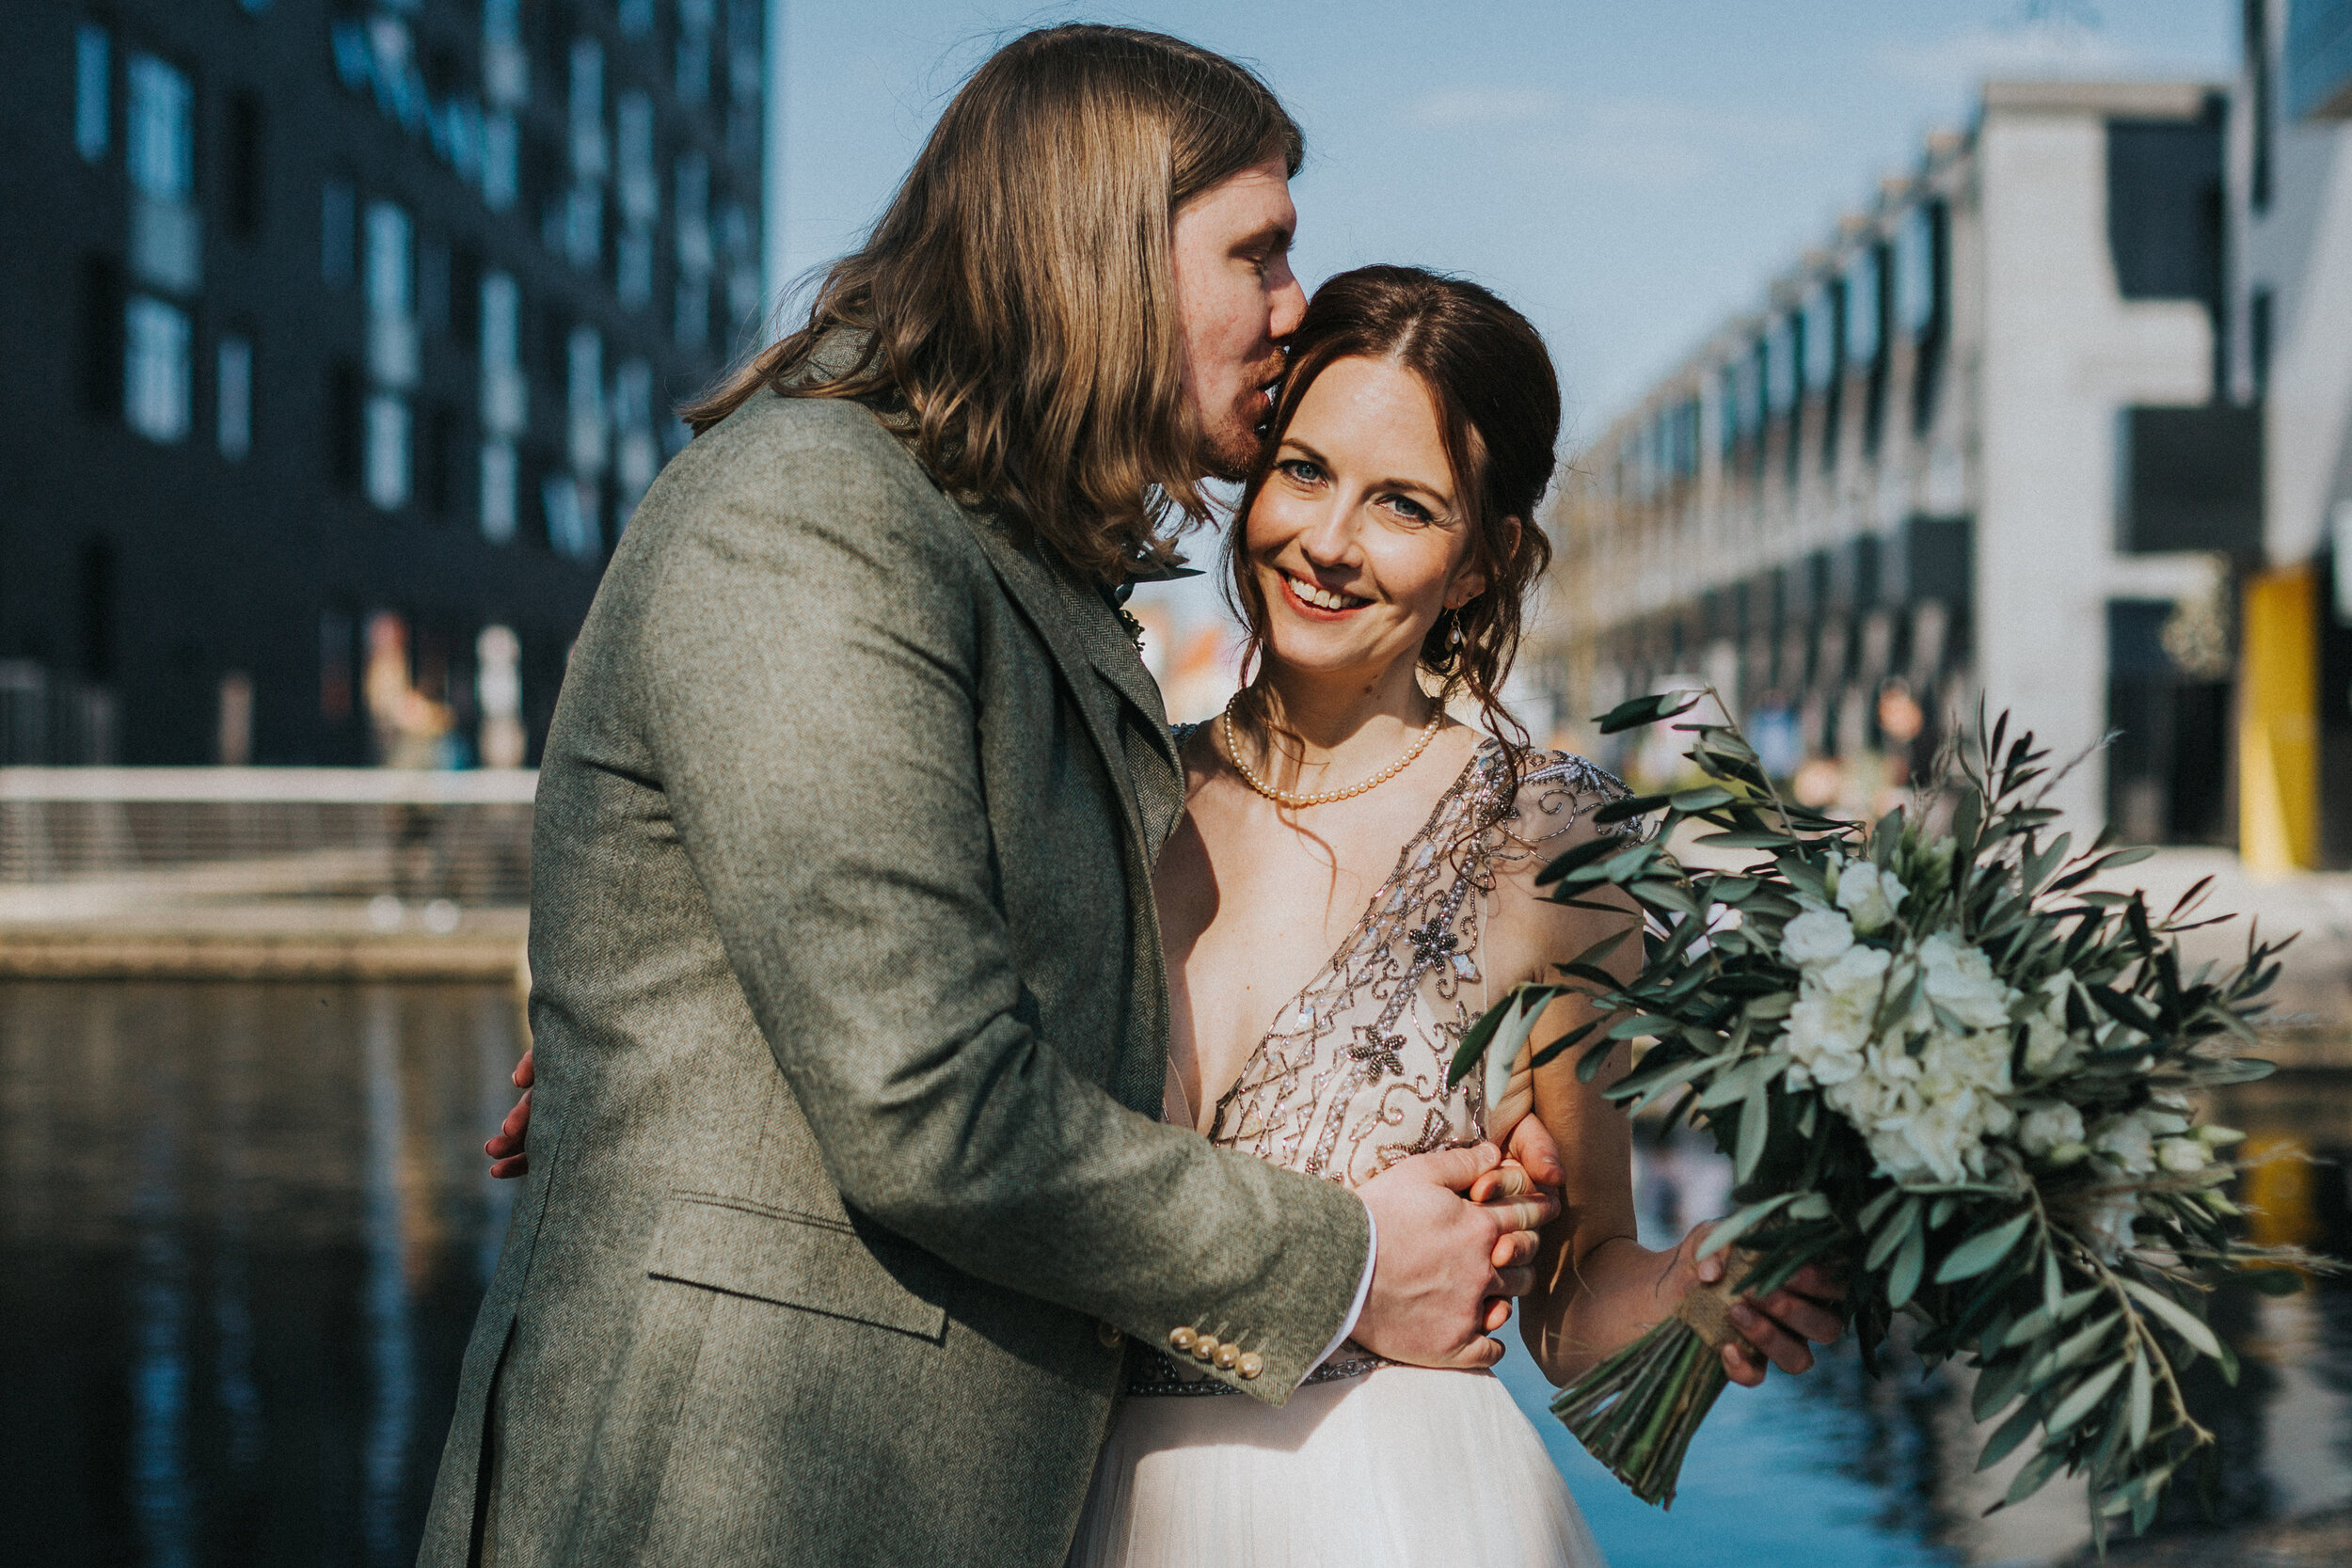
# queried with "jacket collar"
point(1084, 629)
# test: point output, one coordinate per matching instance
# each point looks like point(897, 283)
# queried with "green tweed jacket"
point(846, 1180)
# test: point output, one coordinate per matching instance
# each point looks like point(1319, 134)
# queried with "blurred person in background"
point(848, 1212)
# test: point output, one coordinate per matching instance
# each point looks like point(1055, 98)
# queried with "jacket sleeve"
point(809, 640)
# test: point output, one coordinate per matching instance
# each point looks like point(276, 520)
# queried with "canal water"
point(243, 1228)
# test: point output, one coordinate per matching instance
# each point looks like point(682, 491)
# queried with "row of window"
point(1844, 324)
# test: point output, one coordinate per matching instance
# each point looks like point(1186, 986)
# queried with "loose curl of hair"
point(1013, 311)
point(1497, 404)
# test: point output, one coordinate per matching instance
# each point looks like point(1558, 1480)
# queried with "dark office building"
point(337, 343)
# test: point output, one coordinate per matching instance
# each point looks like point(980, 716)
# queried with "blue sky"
point(1627, 174)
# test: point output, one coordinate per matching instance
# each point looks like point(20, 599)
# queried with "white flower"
point(1868, 894)
point(1961, 980)
point(2181, 1156)
point(2111, 1222)
point(1817, 936)
point(2047, 1127)
point(2049, 1049)
point(2125, 1140)
point(1829, 1027)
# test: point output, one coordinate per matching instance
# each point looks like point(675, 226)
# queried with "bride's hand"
point(1774, 1329)
point(506, 1149)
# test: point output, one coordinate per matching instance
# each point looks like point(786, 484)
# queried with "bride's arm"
point(1597, 1288)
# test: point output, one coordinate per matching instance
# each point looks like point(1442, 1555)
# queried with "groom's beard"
point(1230, 451)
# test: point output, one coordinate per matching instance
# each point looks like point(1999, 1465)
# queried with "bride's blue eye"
point(1411, 511)
point(1299, 470)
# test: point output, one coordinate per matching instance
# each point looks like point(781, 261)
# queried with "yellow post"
point(2277, 733)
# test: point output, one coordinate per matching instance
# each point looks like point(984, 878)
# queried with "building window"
point(502, 153)
point(156, 374)
point(636, 19)
point(570, 505)
point(499, 486)
point(585, 402)
point(386, 459)
point(160, 147)
point(505, 67)
point(245, 184)
point(233, 387)
point(505, 390)
point(1728, 407)
point(339, 218)
point(94, 70)
point(695, 21)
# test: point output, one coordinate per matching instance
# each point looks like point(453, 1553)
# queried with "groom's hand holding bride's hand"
point(1448, 1265)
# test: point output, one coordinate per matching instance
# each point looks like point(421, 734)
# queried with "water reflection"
point(1836, 1469)
point(243, 1229)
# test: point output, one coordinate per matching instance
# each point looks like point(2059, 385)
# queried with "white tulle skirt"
point(1398, 1468)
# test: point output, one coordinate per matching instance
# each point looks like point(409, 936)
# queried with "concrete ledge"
point(116, 953)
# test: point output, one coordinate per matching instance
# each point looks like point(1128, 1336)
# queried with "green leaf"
point(1981, 1251)
point(2038, 1471)
point(2183, 1322)
point(1744, 1079)
point(1755, 1122)
point(1897, 1232)
point(1909, 1259)
point(1996, 1386)
point(1745, 838)
point(1648, 710)
point(1706, 798)
point(1812, 1206)
point(2087, 1394)
point(2004, 1442)
point(2140, 1403)
point(1729, 1230)
point(2041, 1319)
point(1877, 1206)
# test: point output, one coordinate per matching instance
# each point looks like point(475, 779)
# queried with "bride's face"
point(1356, 539)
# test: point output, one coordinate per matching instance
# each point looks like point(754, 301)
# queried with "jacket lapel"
point(1084, 634)
point(1073, 622)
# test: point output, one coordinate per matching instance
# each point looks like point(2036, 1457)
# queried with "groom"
point(847, 1200)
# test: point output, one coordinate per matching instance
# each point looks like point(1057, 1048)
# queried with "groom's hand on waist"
point(1446, 1266)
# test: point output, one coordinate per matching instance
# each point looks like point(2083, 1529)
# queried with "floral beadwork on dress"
point(1351, 1077)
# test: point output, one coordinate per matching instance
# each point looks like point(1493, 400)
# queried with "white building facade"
point(1983, 442)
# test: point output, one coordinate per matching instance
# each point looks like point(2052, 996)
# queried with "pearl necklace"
point(1323, 797)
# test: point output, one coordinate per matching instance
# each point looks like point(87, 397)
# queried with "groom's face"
point(1235, 302)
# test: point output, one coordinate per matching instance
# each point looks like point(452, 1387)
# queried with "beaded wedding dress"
point(1371, 1465)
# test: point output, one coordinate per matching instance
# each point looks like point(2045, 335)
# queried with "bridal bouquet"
point(1944, 1064)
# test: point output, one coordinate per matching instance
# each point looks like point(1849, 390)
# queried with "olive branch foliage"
point(2083, 1343)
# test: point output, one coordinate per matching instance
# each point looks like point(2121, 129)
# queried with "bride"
point(1353, 885)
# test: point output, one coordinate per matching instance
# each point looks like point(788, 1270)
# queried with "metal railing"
point(79, 842)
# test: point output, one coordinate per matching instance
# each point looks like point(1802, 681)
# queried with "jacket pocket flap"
point(748, 1249)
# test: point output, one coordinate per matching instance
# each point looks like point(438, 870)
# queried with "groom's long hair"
point(1013, 311)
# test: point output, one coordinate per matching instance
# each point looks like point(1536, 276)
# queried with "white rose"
point(1815, 936)
point(2044, 1128)
point(1961, 980)
point(2125, 1140)
point(2181, 1156)
point(1868, 894)
point(2049, 1049)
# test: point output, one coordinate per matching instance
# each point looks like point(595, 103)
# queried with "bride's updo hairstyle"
point(1498, 404)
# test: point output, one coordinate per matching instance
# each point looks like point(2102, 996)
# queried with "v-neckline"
point(1355, 934)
